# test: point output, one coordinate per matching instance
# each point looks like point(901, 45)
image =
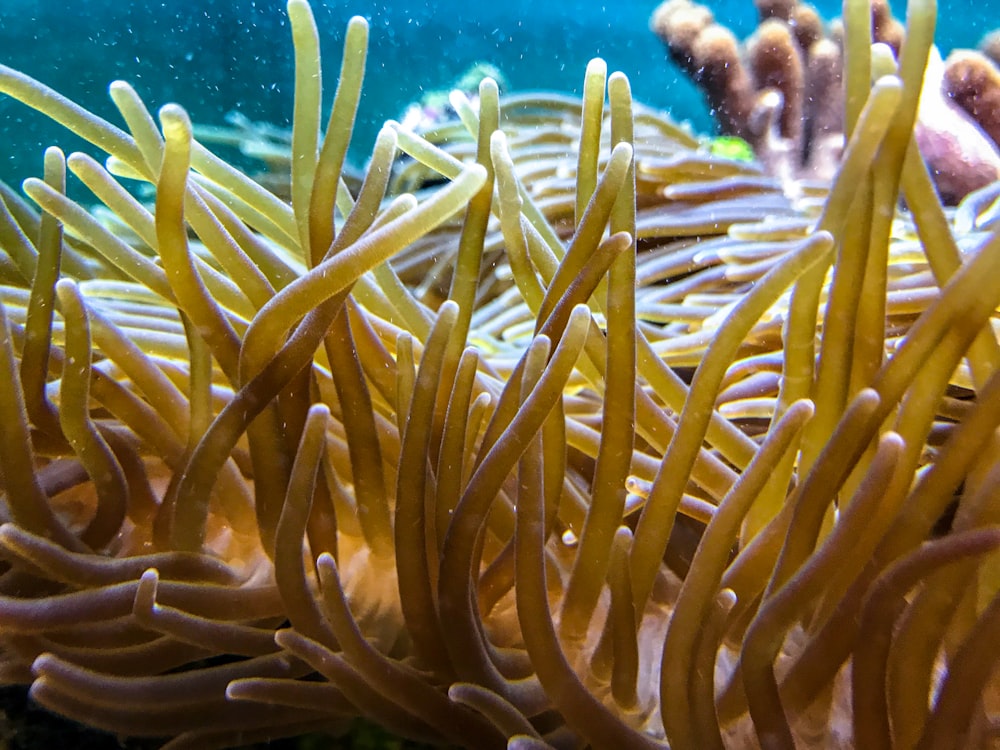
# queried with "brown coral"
point(972, 80)
point(958, 123)
point(789, 56)
point(782, 91)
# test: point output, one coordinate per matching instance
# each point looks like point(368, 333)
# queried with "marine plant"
point(691, 461)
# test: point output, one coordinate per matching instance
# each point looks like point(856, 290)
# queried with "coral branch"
point(782, 91)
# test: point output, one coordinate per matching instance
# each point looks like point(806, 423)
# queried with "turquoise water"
point(214, 56)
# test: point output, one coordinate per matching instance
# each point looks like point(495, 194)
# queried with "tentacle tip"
point(44, 662)
point(357, 22)
point(597, 66)
point(234, 690)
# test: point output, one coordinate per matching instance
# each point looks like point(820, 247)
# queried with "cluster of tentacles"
point(589, 439)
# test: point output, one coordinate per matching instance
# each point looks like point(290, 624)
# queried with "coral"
point(656, 455)
point(434, 106)
point(989, 45)
point(972, 81)
point(957, 123)
point(782, 92)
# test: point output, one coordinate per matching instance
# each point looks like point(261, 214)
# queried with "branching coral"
point(677, 477)
point(782, 91)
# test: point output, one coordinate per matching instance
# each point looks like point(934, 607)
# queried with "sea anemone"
point(660, 454)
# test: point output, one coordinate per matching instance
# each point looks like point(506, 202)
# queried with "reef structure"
point(782, 90)
point(706, 465)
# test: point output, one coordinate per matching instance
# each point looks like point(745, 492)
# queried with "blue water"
point(214, 56)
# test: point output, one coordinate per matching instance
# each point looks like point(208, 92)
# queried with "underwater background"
point(217, 56)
